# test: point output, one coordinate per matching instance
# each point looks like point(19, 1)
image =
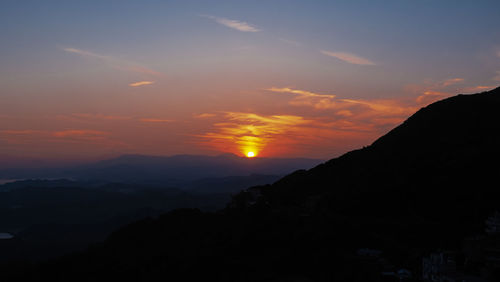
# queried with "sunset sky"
point(96, 79)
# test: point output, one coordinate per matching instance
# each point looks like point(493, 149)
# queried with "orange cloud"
point(382, 107)
point(347, 107)
point(479, 88)
point(345, 113)
point(349, 58)
point(307, 98)
point(205, 115)
point(431, 96)
point(357, 120)
point(282, 134)
point(430, 91)
point(250, 132)
point(452, 81)
point(141, 83)
point(299, 92)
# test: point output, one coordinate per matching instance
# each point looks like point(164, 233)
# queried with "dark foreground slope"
point(426, 185)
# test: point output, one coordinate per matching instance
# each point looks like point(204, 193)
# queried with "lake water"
point(4, 236)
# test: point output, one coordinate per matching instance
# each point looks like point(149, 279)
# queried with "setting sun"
point(250, 154)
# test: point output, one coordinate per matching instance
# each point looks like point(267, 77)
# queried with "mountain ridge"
point(182, 168)
point(176, 170)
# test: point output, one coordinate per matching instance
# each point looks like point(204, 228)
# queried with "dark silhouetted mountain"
point(426, 185)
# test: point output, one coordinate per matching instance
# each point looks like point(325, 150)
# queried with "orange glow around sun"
point(251, 154)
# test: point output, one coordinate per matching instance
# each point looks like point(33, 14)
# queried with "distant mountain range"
point(173, 171)
point(427, 185)
point(178, 169)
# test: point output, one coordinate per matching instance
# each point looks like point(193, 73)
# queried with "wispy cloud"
point(452, 81)
point(360, 113)
point(430, 96)
point(431, 91)
point(234, 24)
point(299, 92)
point(114, 62)
point(243, 132)
point(247, 132)
point(387, 108)
point(349, 58)
point(141, 83)
point(346, 107)
point(205, 115)
point(87, 53)
point(307, 98)
point(478, 88)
